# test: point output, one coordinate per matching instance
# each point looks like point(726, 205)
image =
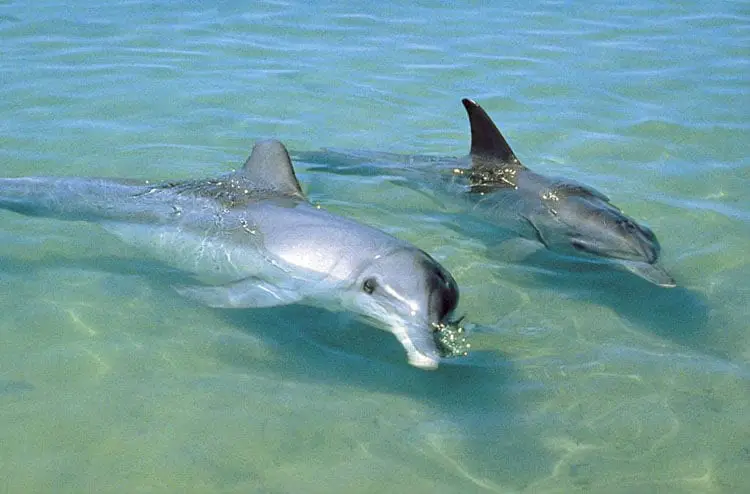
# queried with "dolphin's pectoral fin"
point(537, 233)
point(247, 293)
point(650, 272)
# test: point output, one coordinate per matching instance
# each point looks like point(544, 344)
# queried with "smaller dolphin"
point(253, 240)
point(491, 183)
point(562, 215)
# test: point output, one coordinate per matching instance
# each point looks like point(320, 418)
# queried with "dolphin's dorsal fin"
point(486, 139)
point(493, 164)
point(270, 168)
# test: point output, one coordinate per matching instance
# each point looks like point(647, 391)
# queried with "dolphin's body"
point(253, 240)
point(564, 216)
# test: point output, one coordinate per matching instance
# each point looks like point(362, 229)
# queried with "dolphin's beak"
point(650, 272)
point(421, 350)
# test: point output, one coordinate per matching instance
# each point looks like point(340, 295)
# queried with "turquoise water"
point(581, 382)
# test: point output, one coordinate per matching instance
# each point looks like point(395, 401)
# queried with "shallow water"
point(583, 380)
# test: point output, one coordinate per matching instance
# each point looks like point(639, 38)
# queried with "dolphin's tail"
point(74, 199)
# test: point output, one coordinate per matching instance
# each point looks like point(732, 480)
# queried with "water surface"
point(583, 380)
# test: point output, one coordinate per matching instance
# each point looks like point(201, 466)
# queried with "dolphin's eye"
point(369, 285)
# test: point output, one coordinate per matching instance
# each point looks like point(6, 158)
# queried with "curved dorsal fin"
point(486, 139)
point(270, 168)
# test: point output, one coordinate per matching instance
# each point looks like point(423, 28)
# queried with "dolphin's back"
point(192, 232)
point(199, 225)
point(78, 199)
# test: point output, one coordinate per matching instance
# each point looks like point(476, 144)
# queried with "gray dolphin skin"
point(491, 183)
point(563, 215)
point(251, 239)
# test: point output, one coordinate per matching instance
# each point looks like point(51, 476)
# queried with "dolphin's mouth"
point(583, 247)
point(646, 255)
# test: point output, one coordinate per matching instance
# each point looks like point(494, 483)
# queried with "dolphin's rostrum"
point(251, 239)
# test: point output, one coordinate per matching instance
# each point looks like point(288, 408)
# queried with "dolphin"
point(491, 183)
point(563, 215)
point(251, 239)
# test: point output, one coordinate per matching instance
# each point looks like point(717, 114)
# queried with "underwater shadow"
point(476, 393)
point(677, 314)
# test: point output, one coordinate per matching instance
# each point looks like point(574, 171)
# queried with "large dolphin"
point(564, 216)
point(251, 239)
